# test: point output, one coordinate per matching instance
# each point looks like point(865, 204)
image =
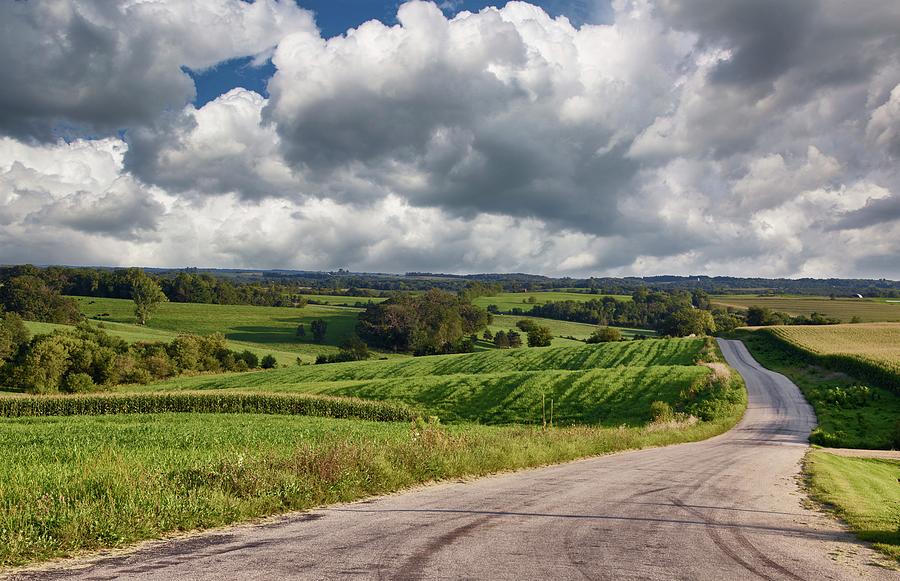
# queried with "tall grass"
point(78, 483)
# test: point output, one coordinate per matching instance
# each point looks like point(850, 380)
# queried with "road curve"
point(725, 508)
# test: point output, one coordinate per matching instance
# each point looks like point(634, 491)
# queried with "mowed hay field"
point(610, 384)
point(868, 310)
point(271, 328)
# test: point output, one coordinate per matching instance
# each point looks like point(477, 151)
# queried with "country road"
point(725, 508)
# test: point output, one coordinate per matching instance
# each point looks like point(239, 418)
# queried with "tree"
point(488, 336)
point(501, 341)
point(147, 296)
point(689, 321)
point(725, 321)
point(758, 316)
point(540, 337)
point(301, 330)
point(13, 335)
point(526, 325)
point(268, 362)
point(33, 300)
point(514, 338)
point(318, 327)
point(605, 334)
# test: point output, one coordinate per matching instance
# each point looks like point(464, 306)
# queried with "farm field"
point(561, 329)
point(342, 300)
point(507, 301)
point(86, 482)
point(870, 341)
point(862, 491)
point(868, 310)
point(136, 333)
point(272, 328)
point(852, 410)
point(609, 384)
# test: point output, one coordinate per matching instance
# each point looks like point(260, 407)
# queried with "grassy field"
point(342, 300)
point(272, 328)
point(507, 301)
point(862, 491)
point(868, 310)
point(561, 329)
point(136, 333)
point(609, 384)
point(79, 483)
point(846, 419)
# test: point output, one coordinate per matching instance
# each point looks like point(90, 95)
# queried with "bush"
point(540, 337)
point(660, 411)
point(604, 335)
point(268, 362)
point(526, 325)
point(78, 383)
point(250, 359)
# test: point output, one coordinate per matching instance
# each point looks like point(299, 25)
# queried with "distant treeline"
point(179, 287)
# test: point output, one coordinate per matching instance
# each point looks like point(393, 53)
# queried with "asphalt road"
point(725, 508)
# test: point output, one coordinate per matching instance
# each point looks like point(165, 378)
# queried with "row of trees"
point(180, 287)
point(85, 358)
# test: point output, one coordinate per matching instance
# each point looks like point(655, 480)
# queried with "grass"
point(872, 423)
point(611, 384)
point(507, 301)
point(80, 483)
point(272, 328)
point(342, 300)
point(560, 329)
point(136, 333)
point(868, 310)
point(864, 492)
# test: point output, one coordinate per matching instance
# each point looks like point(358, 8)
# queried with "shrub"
point(604, 335)
point(526, 325)
point(268, 362)
point(661, 411)
point(78, 383)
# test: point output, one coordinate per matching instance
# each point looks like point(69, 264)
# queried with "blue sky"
point(335, 17)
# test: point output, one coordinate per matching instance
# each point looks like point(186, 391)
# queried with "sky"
point(565, 137)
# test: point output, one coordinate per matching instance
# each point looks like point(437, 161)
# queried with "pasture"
point(868, 310)
point(561, 329)
point(507, 301)
point(267, 328)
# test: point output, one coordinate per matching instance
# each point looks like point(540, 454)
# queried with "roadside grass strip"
point(864, 492)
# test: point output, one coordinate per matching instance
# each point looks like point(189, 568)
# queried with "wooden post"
point(543, 411)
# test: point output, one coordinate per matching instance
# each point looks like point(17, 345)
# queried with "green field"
point(862, 491)
point(846, 419)
point(77, 483)
point(610, 384)
point(868, 310)
point(560, 329)
point(342, 300)
point(272, 328)
point(507, 301)
point(136, 333)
